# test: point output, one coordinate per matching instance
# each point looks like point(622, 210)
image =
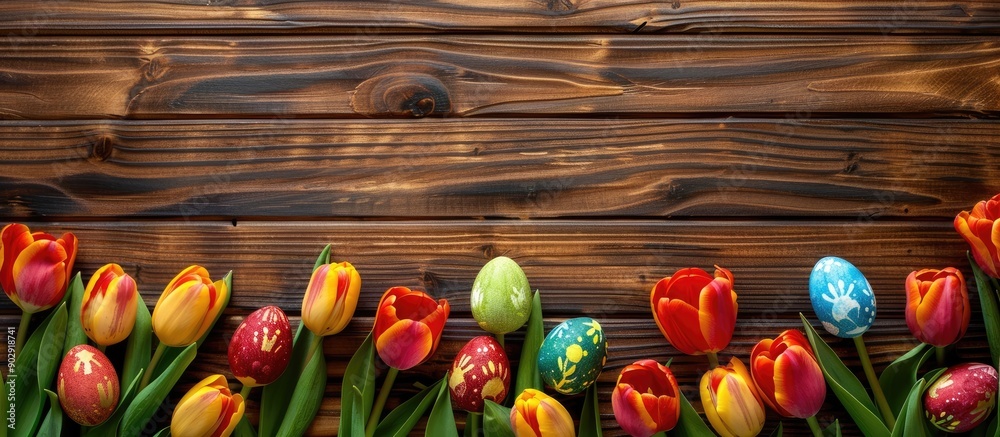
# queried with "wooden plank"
point(497, 168)
point(28, 18)
point(412, 76)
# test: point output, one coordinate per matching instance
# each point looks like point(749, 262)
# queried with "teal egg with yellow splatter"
point(572, 355)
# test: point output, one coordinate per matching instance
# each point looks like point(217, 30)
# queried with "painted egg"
point(962, 397)
point(261, 347)
point(572, 355)
point(841, 297)
point(480, 371)
point(87, 385)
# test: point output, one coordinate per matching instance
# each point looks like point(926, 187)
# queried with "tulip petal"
point(113, 320)
point(198, 413)
point(799, 387)
point(231, 417)
point(40, 275)
point(405, 344)
point(717, 314)
point(553, 419)
point(631, 411)
point(178, 317)
point(971, 228)
point(14, 239)
point(680, 317)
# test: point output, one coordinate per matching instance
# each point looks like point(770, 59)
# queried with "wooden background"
point(602, 144)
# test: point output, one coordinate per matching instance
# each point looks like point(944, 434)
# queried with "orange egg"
point(87, 385)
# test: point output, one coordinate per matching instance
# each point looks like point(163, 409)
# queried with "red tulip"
point(787, 375)
point(35, 267)
point(937, 306)
point(695, 311)
point(646, 399)
point(408, 327)
point(981, 230)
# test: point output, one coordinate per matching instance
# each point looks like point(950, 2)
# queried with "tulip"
point(35, 267)
point(646, 399)
point(501, 296)
point(536, 414)
point(695, 311)
point(731, 402)
point(331, 298)
point(209, 409)
point(937, 306)
point(981, 231)
point(408, 327)
point(188, 307)
point(787, 375)
point(109, 305)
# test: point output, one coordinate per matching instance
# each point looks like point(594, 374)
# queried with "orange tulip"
point(695, 311)
point(981, 230)
point(536, 414)
point(408, 327)
point(731, 401)
point(646, 399)
point(109, 305)
point(787, 375)
point(331, 298)
point(937, 306)
point(35, 268)
point(188, 307)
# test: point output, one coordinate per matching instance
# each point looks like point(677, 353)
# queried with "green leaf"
point(145, 404)
point(30, 401)
point(52, 425)
point(401, 420)
point(357, 392)
point(441, 422)
point(165, 432)
point(846, 386)
point(911, 422)
point(779, 430)
point(323, 258)
point(140, 341)
point(833, 430)
point(690, 424)
point(590, 417)
point(50, 352)
point(496, 420)
point(527, 368)
point(74, 329)
point(110, 426)
point(903, 373)
point(309, 390)
point(991, 309)
point(276, 395)
point(172, 353)
point(244, 428)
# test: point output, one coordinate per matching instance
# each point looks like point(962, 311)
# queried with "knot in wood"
point(102, 149)
point(402, 94)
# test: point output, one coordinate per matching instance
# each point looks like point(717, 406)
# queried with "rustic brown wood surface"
point(602, 144)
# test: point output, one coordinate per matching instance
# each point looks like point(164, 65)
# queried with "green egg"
point(572, 355)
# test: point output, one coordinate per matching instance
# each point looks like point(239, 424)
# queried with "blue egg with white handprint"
point(841, 297)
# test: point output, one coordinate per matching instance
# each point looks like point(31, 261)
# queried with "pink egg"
point(480, 371)
point(87, 386)
point(962, 397)
point(261, 347)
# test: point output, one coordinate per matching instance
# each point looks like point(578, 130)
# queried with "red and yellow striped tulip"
point(981, 229)
point(35, 268)
point(731, 402)
point(188, 307)
point(209, 409)
point(408, 327)
point(787, 375)
point(646, 399)
point(937, 306)
point(695, 311)
point(331, 298)
point(536, 414)
point(109, 305)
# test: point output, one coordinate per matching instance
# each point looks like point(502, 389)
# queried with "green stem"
point(472, 421)
point(939, 354)
point(245, 392)
point(866, 363)
point(102, 348)
point(317, 342)
point(713, 360)
point(383, 394)
point(814, 426)
point(500, 339)
point(22, 333)
point(148, 373)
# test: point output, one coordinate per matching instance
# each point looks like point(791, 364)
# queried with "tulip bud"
point(937, 306)
point(536, 414)
point(35, 269)
point(261, 347)
point(480, 372)
point(208, 409)
point(695, 311)
point(331, 298)
point(979, 229)
point(188, 307)
point(501, 296)
point(787, 375)
point(408, 327)
point(646, 399)
point(731, 402)
point(109, 305)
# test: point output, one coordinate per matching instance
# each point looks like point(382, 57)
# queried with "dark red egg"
point(261, 347)
point(87, 385)
point(480, 371)
point(962, 397)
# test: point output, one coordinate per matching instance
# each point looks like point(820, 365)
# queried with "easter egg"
point(261, 347)
point(87, 385)
point(841, 297)
point(501, 296)
point(572, 355)
point(962, 397)
point(480, 371)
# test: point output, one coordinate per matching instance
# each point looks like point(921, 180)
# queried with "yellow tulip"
point(331, 298)
point(188, 307)
point(536, 414)
point(209, 409)
point(109, 305)
point(731, 402)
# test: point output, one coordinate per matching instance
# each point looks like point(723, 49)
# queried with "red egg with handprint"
point(480, 371)
point(261, 347)
point(962, 397)
point(87, 386)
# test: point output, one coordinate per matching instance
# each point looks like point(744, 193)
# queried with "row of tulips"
point(696, 312)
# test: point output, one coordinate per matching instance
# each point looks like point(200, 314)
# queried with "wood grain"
point(28, 18)
point(414, 76)
point(488, 168)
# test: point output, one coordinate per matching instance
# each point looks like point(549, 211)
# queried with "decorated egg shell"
point(572, 355)
point(261, 347)
point(87, 386)
point(841, 297)
point(480, 371)
point(962, 397)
